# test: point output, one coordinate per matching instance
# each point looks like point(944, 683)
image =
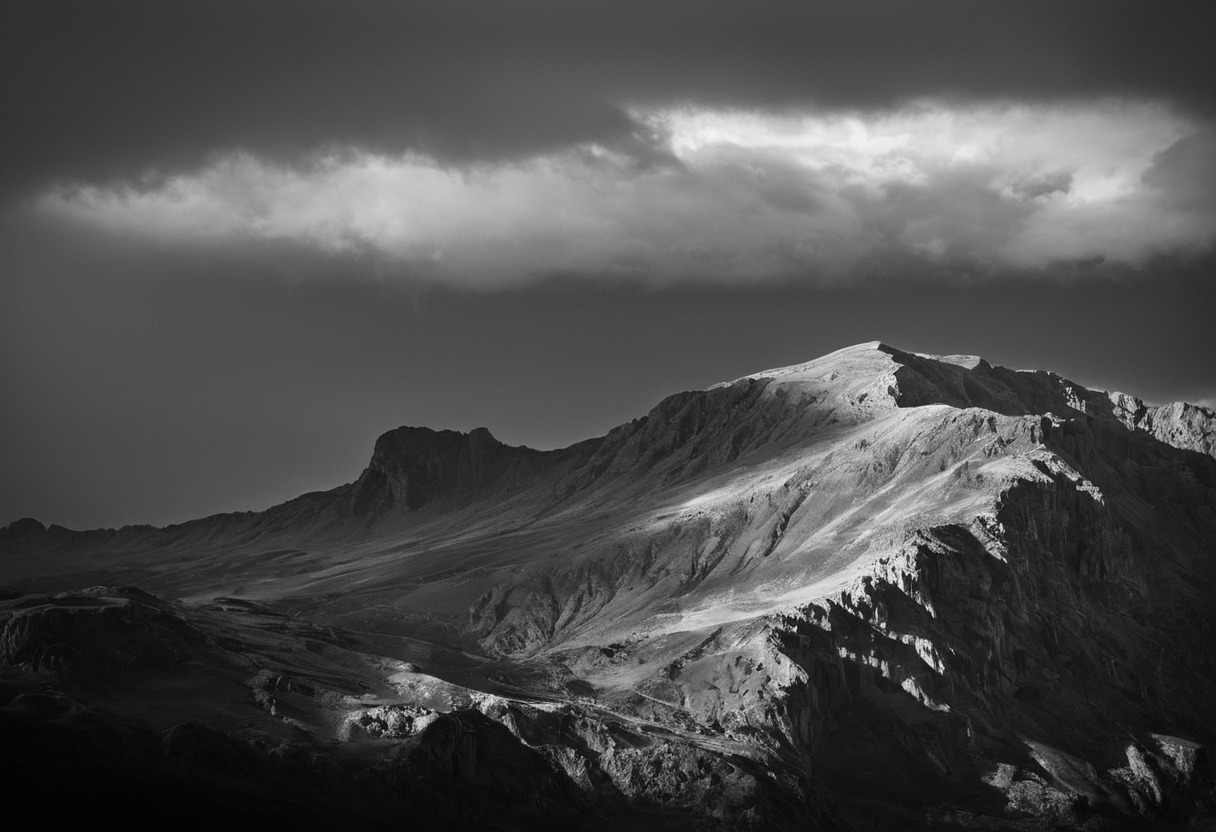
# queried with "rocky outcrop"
point(393, 722)
point(414, 467)
point(1178, 424)
point(95, 630)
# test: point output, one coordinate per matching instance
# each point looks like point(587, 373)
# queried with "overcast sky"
point(239, 240)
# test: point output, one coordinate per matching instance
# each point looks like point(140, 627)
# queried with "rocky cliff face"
point(413, 467)
point(877, 590)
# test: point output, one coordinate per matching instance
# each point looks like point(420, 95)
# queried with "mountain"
point(877, 590)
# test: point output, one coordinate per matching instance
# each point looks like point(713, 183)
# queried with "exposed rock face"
point(93, 631)
point(1179, 424)
point(878, 590)
point(386, 721)
point(412, 467)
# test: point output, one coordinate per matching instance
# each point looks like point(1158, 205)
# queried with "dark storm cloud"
point(94, 90)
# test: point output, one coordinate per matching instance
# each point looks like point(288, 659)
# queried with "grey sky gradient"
point(106, 89)
point(158, 366)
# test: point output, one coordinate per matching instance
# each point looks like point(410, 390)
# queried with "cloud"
point(722, 195)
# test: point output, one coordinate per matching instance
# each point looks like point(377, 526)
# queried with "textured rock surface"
point(94, 630)
point(876, 590)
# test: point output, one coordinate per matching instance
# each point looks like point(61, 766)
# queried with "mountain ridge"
point(940, 385)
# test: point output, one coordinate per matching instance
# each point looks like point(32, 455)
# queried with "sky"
point(239, 240)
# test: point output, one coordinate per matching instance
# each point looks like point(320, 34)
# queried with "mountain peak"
point(412, 467)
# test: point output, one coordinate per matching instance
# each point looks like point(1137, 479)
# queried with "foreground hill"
point(876, 590)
